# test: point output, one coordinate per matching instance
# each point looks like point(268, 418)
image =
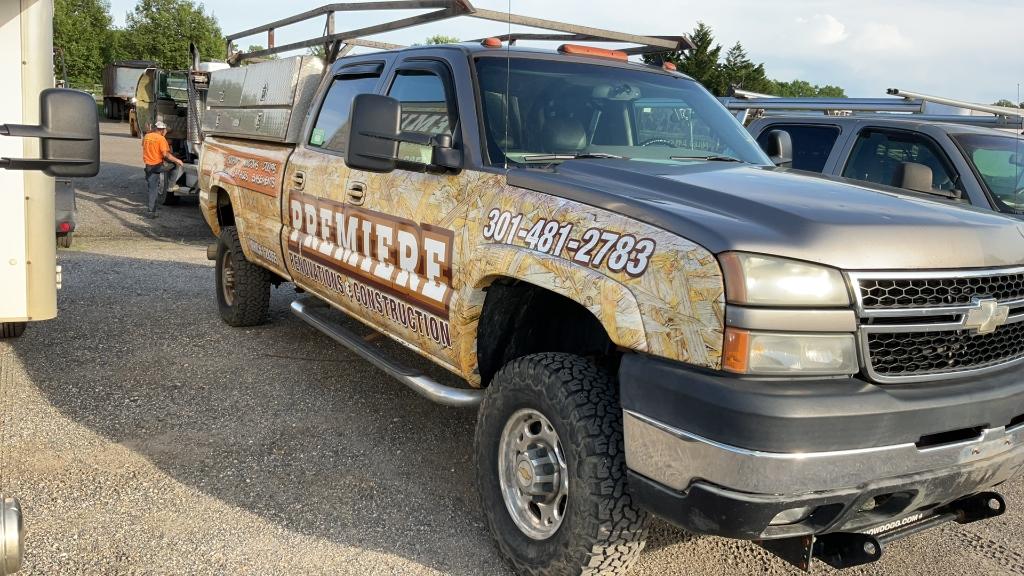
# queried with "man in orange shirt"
point(156, 155)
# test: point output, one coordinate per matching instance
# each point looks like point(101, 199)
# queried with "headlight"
point(768, 353)
point(756, 280)
point(134, 100)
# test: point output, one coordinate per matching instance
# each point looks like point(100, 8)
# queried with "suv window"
point(812, 145)
point(331, 129)
point(878, 153)
point(424, 109)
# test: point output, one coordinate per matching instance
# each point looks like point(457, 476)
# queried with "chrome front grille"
point(919, 326)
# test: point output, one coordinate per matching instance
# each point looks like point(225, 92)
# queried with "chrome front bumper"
point(676, 459)
point(12, 534)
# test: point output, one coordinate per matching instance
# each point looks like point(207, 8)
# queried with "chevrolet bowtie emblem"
point(986, 316)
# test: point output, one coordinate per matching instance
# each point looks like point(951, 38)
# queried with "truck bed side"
point(240, 183)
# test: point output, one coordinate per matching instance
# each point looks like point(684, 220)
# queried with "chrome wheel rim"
point(227, 278)
point(533, 475)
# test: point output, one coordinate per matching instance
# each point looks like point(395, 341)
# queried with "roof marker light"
point(669, 66)
point(578, 50)
point(491, 43)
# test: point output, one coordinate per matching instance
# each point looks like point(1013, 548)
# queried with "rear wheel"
point(243, 288)
point(65, 240)
point(12, 329)
point(551, 470)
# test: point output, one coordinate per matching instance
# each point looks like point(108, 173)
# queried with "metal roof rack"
point(747, 105)
point(337, 44)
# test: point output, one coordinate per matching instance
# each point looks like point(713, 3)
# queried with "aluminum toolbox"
point(259, 101)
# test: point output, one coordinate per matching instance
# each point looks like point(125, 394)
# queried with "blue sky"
point(956, 48)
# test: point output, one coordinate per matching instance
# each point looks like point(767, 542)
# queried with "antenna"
point(508, 82)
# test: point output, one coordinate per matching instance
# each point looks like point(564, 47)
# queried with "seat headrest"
point(563, 135)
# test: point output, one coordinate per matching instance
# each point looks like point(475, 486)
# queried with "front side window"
point(812, 145)
point(331, 129)
point(999, 160)
point(174, 86)
point(424, 109)
point(878, 154)
point(539, 108)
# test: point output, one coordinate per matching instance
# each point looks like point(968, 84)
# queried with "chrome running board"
point(313, 312)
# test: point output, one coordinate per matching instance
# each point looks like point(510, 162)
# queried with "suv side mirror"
point(70, 134)
point(374, 132)
point(779, 148)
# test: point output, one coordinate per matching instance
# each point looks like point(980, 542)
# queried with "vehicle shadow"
point(277, 420)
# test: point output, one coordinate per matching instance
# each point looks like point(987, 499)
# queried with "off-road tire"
point(65, 240)
point(251, 299)
point(12, 329)
point(602, 532)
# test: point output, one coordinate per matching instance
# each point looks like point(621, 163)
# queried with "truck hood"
point(787, 213)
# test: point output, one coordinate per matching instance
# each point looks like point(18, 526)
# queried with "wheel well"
point(519, 319)
point(225, 212)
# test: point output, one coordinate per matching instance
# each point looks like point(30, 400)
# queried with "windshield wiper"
point(711, 158)
point(577, 156)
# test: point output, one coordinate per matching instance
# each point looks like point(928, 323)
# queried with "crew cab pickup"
point(977, 166)
point(650, 317)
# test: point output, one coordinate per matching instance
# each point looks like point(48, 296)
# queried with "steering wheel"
point(659, 142)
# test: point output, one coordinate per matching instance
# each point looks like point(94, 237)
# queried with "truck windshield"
point(557, 110)
point(999, 160)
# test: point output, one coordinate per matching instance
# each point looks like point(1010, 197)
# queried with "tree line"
point(718, 74)
point(85, 38)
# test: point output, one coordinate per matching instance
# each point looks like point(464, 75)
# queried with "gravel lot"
point(143, 436)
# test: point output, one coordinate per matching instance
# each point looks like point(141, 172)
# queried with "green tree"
point(1007, 103)
point(161, 30)
point(804, 89)
point(442, 39)
point(258, 47)
point(80, 32)
point(739, 71)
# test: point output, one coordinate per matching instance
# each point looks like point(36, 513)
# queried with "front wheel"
point(551, 469)
point(243, 288)
point(65, 240)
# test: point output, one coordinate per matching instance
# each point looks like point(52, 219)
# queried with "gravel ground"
point(144, 436)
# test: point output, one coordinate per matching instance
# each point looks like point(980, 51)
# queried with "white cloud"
point(877, 37)
point(825, 29)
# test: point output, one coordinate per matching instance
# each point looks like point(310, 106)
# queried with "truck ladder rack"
point(911, 105)
point(337, 44)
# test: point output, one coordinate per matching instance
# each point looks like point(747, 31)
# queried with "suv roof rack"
point(746, 104)
point(337, 44)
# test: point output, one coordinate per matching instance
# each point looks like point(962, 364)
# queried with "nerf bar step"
point(314, 313)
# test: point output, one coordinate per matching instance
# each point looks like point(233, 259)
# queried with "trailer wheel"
point(551, 470)
point(243, 288)
point(12, 329)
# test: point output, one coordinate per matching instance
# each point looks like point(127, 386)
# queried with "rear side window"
point(331, 129)
point(811, 144)
point(878, 153)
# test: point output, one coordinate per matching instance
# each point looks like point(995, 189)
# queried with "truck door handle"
point(356, 194)
point(299, 180)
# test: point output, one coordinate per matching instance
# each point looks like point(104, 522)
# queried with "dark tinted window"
point(424, 109)
point(331, 129)
point(877, 155)
point(811, 144)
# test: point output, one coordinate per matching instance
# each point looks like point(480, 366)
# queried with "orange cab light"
point(669, 66)
point(578, 50)
point(65, 226)
point(491, 43)
point(736, 356)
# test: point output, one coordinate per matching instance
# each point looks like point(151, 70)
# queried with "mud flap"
point(847, 549)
